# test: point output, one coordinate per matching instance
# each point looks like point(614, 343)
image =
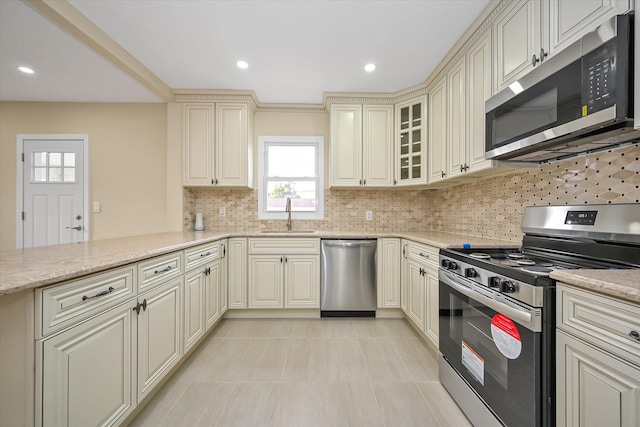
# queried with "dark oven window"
point(505, 373)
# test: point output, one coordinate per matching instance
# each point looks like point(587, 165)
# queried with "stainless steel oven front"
point(494, 344)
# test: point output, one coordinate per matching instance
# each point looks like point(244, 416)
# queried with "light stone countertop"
point(621, 284)
point(23, 269)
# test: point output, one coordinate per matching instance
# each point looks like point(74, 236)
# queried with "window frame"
point(263, 142)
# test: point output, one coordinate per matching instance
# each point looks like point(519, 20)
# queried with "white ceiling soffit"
point(66, 70)
point(296, 49)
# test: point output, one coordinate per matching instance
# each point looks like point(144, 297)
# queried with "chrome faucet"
point(288, 210)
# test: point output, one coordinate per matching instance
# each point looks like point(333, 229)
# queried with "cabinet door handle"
point(224, 250)
point(281, 258)
point(423, 255)
point(543, 55)
point(420, 271)
point(142, 305)
point(443, 174)
point(364, 182)
point(360, 182)
point(207, 254)
point(635, 335)
point(404, 250)
point(164, 270)
point(395, 181)
point(99, 294)
point(534, 60)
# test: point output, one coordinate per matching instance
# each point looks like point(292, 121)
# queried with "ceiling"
point(296, 49)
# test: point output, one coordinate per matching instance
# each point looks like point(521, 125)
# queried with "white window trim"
point(262, 184)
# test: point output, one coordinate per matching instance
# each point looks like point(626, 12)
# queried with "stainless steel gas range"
point(497, 308)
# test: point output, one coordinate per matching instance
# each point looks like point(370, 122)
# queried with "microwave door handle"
point(491, 303)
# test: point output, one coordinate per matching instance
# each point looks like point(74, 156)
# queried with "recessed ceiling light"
point(242, 64)
point(370, 67)
point(26, 70)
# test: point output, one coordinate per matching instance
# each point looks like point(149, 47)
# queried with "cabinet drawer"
point(202, 254)
point(275, 245)
point(65, 304)
point(158, 270)
point(603, 321)
point(422, 252)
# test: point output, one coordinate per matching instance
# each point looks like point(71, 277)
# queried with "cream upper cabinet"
point(410, 143)
point(478, 91)
point(361, 145)
point(438, 130)
point(456, 119)
point(518, 41)
point(217, 144)
point(528, 32)
point(568, 21)
point(389, 275)
point(87, 372)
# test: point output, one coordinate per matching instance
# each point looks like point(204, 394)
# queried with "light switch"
point(222, 211)
point(369, 216)
point(96, 207)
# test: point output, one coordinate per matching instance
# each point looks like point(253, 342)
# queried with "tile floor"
point(303, 373)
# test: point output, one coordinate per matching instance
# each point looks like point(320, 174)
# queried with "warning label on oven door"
point(473, 362)
point(506, 336)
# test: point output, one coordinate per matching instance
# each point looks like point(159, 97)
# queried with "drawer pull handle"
point(207, 254)
point(424, 255)
point(635, 335)
point(107, 292)
point(164, 270)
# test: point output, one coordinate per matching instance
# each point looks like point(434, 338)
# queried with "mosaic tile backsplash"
point(491, 207)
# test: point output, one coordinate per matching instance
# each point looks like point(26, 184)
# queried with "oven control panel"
point(529, 294)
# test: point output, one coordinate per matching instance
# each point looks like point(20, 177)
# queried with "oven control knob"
point(470, 272)
point(445, 263)
point(452, 265)
point(507, 286)
point(494, 282)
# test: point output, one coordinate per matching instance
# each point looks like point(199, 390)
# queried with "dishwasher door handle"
point(349, 244)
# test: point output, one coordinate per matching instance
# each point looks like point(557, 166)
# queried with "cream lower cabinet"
point(416, 286)
point(597, 360)
point(287, 281)
point(159, 333)
point(594, 388)
point(87, 371)
point(419, 296)
point(284, 273)
point(237, 272)
point(389, 273)
point(194, 305)
point(224, 279)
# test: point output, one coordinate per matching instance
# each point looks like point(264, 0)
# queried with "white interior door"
point(54, 201)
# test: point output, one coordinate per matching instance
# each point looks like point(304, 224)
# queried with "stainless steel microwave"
point(579, 100)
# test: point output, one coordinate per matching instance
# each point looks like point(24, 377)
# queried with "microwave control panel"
point(598, 78)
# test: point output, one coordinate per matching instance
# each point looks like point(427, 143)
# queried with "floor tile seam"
point(397, 357)
point(435, 417)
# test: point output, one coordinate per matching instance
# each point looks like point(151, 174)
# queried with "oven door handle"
point(505, 309)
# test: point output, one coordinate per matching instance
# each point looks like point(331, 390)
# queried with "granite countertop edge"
point(621, 284)
point(23, 269)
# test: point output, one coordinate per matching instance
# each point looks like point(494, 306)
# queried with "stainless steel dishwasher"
point(348, 278)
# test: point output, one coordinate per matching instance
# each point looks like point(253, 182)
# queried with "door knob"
point(75, 227)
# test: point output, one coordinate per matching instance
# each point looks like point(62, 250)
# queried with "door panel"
point(53, 192)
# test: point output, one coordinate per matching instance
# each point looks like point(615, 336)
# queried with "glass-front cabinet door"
point(411, 143)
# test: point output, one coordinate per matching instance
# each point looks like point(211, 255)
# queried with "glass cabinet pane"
point(404, 118)
point(416, 135)
point(417, 114)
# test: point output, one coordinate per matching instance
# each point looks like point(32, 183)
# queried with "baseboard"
point(288, 313)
